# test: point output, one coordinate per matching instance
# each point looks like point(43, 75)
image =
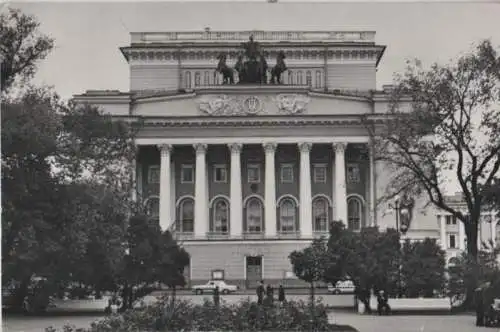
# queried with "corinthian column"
point(235, 191)
point(340, 183)
point(270, 190)
point(165, 185)
point(305, 209)
point(200, 192)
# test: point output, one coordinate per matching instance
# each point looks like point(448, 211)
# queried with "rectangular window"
point(448, 220)
point(452, 241)
point(253, 174)
point(154, 174)
point(286, 173)
point(319, 173)
point(353, 173)
point(220, 174)
point(187, 174)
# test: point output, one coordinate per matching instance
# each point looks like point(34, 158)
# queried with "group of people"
point(269, 292)
point(487, 306)
point(261, 291)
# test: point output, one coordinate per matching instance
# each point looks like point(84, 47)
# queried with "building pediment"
point(238, 101)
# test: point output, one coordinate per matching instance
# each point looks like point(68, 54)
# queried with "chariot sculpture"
point(251, 66)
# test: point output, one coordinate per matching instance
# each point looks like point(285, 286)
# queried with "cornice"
point(292, 52)
point(261, 121)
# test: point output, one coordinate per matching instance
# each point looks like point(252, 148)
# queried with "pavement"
point(363, 323)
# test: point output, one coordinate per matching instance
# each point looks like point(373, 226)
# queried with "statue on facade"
point(251, 65)
point(252, 49)
point(279, 68)
point(224, 69)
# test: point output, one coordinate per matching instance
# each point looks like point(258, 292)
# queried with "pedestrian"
point(216, 296)
point(260, 292)
point(383, 303)
point(281, 294)
point(479, 302)
point(270, 294)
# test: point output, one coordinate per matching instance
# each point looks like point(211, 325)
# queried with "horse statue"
point(223, 68)
point(240, 68)
point(279, 68)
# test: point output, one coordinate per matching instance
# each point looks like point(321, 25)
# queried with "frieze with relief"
point(224, 105)
point(292, 103)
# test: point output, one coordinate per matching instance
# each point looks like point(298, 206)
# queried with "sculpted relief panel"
point(224, 105)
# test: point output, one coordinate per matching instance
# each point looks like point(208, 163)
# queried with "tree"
point(21, 47)
point(152, 257)
point(369, 258)
point(422, 268)
point(55, 218)
point(453, 124)
point(311, 263)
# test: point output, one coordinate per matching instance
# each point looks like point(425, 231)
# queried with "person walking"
point(260, 292)
point(270, 294)
point(383, 303)
point(281, 294)
point(216, 296)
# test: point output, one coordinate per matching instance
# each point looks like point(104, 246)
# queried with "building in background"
point(246, 173)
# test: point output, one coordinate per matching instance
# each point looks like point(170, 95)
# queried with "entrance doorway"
point(254, 271)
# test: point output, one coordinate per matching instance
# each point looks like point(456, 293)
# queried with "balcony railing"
point(308, 78)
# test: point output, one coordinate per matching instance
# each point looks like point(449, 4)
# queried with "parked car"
point(342, 287)
point(210, 287)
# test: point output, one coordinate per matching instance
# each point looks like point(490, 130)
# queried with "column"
point(236, 209)
point(200, 192)
point(305, 207)
point(165, 186)
point(442, 230)
point(270, 190)
point(493, 228)
point(340, 183)
point(461, 235)
point(373, 205)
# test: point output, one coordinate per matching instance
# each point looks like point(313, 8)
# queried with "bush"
point(180, 315)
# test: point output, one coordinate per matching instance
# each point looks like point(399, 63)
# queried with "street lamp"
point(402, 207)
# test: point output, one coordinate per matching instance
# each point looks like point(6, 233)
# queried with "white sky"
point(88, 34)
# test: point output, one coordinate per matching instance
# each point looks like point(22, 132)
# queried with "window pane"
point(319, 174)
point(286, 174)
point(354, 213)
point(287, 216)
point(153, 207)
point(254, 215)
point(220, 174)
point(154, 174)
point(221, 217)
point(187, 215)
point(320, 214)
point(187, 174)
point(253, 173)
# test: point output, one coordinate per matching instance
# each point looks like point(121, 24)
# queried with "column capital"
point(339, 147)
point(305, 147)
point(235, 147)
point(165, 148)
point(200, 148)
point(270, 147)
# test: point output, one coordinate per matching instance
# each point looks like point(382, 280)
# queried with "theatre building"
point(247, 171)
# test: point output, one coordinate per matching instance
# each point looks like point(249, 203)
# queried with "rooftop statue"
point(252, 66)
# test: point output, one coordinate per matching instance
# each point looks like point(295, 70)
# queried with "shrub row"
point(181, 315)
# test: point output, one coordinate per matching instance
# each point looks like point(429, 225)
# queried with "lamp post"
point(402, 212)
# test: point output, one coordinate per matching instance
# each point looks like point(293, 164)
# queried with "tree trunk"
point(312, 292)
point(471, 233)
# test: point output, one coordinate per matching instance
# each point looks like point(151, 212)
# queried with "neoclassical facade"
point(243, 174)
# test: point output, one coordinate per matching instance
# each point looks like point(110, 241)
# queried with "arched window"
point(197, 79)
point(287, 213)
point(220, 212)
point(320, 214)
point(152, 207)
point(318, 78)
point(207, 78)
point(187, 82)
point(309, 78)
point(299, 77)
point(354, 213)
point(186, 216)
point(254, 214)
